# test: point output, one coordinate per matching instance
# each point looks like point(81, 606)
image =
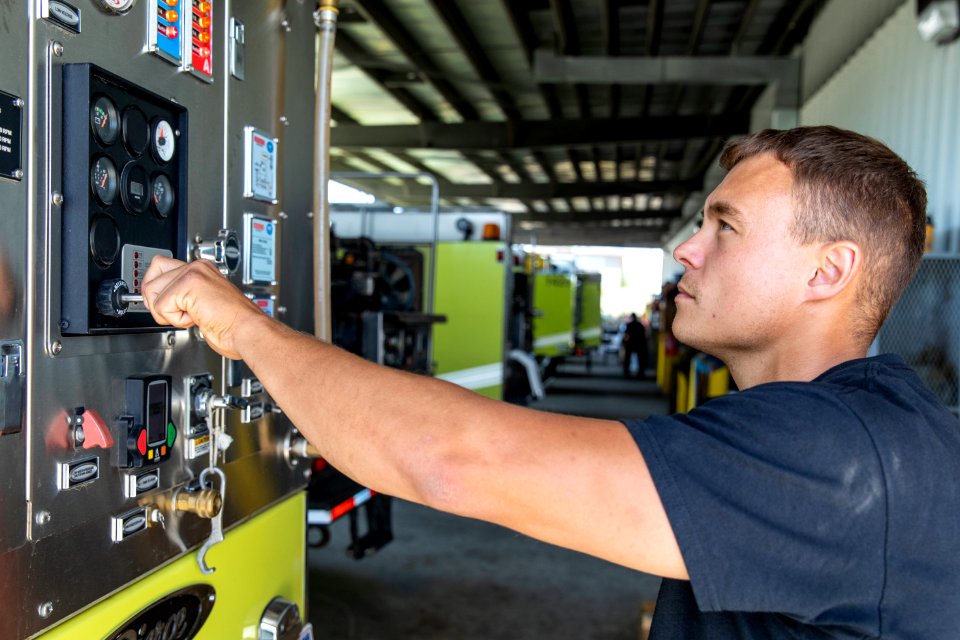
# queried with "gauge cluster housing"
point(125, 185)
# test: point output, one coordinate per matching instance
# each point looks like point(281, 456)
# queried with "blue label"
point(270, 147)
point(269, 229)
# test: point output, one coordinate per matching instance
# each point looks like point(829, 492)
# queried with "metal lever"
point(216, 522)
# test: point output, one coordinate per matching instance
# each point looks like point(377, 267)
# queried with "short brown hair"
point(851, 187)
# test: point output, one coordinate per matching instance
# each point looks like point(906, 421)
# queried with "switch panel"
point(131, 200)
point(146, 429)
point(201, 43)
point(166, 31)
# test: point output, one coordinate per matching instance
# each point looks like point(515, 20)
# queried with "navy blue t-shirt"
point(823, 509)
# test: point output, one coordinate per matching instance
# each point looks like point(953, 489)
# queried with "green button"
point(171, 434)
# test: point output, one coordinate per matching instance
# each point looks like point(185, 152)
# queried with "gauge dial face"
point(103, 180)
point(164, 141)
point(105, 120)
point(134, 185)
point(162, 196)
point(117, 6)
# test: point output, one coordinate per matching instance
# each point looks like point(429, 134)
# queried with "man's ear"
point(838, 264)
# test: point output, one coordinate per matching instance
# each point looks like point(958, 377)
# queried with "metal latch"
point(237, 52)
point(12, 378)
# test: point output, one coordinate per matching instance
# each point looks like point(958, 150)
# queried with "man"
point(819, 502)
point(634, 342)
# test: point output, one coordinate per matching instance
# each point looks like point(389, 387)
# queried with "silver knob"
point(223, 251)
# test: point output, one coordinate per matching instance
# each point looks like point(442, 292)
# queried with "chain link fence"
point(924, 327)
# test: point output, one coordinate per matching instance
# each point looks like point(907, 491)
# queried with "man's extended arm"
point(575, 482)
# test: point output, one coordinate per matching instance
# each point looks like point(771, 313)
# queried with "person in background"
point(634, 343)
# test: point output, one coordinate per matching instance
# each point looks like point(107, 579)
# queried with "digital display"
point(136, 188)
point(157, 413)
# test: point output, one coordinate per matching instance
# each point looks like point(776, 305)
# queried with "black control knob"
point(114, 297)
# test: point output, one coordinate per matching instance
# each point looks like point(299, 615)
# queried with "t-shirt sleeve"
point(776, 498)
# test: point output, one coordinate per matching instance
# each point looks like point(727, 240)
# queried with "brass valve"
point(206, 503)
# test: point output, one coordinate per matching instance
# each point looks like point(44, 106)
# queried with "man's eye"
point(725, 227)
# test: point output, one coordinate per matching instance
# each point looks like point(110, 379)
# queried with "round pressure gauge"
point(162, 195)
point(103, 180)
point(116, 6)
point(164, 142)
point(105, 120)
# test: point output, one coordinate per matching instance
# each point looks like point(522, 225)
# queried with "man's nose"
point(689, 253)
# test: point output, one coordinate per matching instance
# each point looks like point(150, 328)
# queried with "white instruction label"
point(260, 250)
point(260, 165)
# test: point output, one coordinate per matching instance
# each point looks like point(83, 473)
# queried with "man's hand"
point(184, 295)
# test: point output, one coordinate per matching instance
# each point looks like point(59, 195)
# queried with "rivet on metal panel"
point(56, 347)
point(309, 215)
point(45, 609)
point(283, 215)
point(56, 198)
point(171, 339)
point(18, 174)
point(18, 102)
point(42, 518)
point(285, 24)
point(281, 310)
point(284, 121)
point(56, 48)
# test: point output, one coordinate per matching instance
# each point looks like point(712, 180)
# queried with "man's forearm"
point(387, 429)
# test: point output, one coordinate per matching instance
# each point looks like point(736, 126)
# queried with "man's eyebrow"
point(722, 208)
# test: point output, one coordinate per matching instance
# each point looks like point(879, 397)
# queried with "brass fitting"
point(205, 503)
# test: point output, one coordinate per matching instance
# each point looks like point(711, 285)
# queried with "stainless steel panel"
point(13, 261)
point(49, 528)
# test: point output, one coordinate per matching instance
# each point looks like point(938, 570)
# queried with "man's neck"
point(797, 365)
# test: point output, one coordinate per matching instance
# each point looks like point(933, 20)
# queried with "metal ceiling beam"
point(713, 70)
point(475, 54)
point(364, 60)
point(532, 134)
point(540, 190)
point(378, 13)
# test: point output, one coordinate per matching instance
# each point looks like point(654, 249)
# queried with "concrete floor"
point(445, 577)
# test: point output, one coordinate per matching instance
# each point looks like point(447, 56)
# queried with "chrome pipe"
point(326, 20)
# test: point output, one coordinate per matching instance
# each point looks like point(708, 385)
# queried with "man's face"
point(745, 275)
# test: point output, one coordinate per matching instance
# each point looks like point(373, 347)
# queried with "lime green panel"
point(553, 303)
point(590, 313)
point(257, 561)
point(494, 393)
point(471, 293)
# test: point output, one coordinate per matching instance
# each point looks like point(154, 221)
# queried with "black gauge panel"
point(103, 180)
point(130, 202)
point(105, 120)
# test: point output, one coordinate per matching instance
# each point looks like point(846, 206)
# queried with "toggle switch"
point(88, 429)
point(95, 430)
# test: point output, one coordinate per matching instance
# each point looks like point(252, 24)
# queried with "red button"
point(163, 450)
point(142, 442)
point(136, 283)
point(136, 265)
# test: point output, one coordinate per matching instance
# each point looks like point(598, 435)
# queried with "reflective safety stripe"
point(488, 375)
point(551, 340)
point(327, 516)
point(593, 332)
